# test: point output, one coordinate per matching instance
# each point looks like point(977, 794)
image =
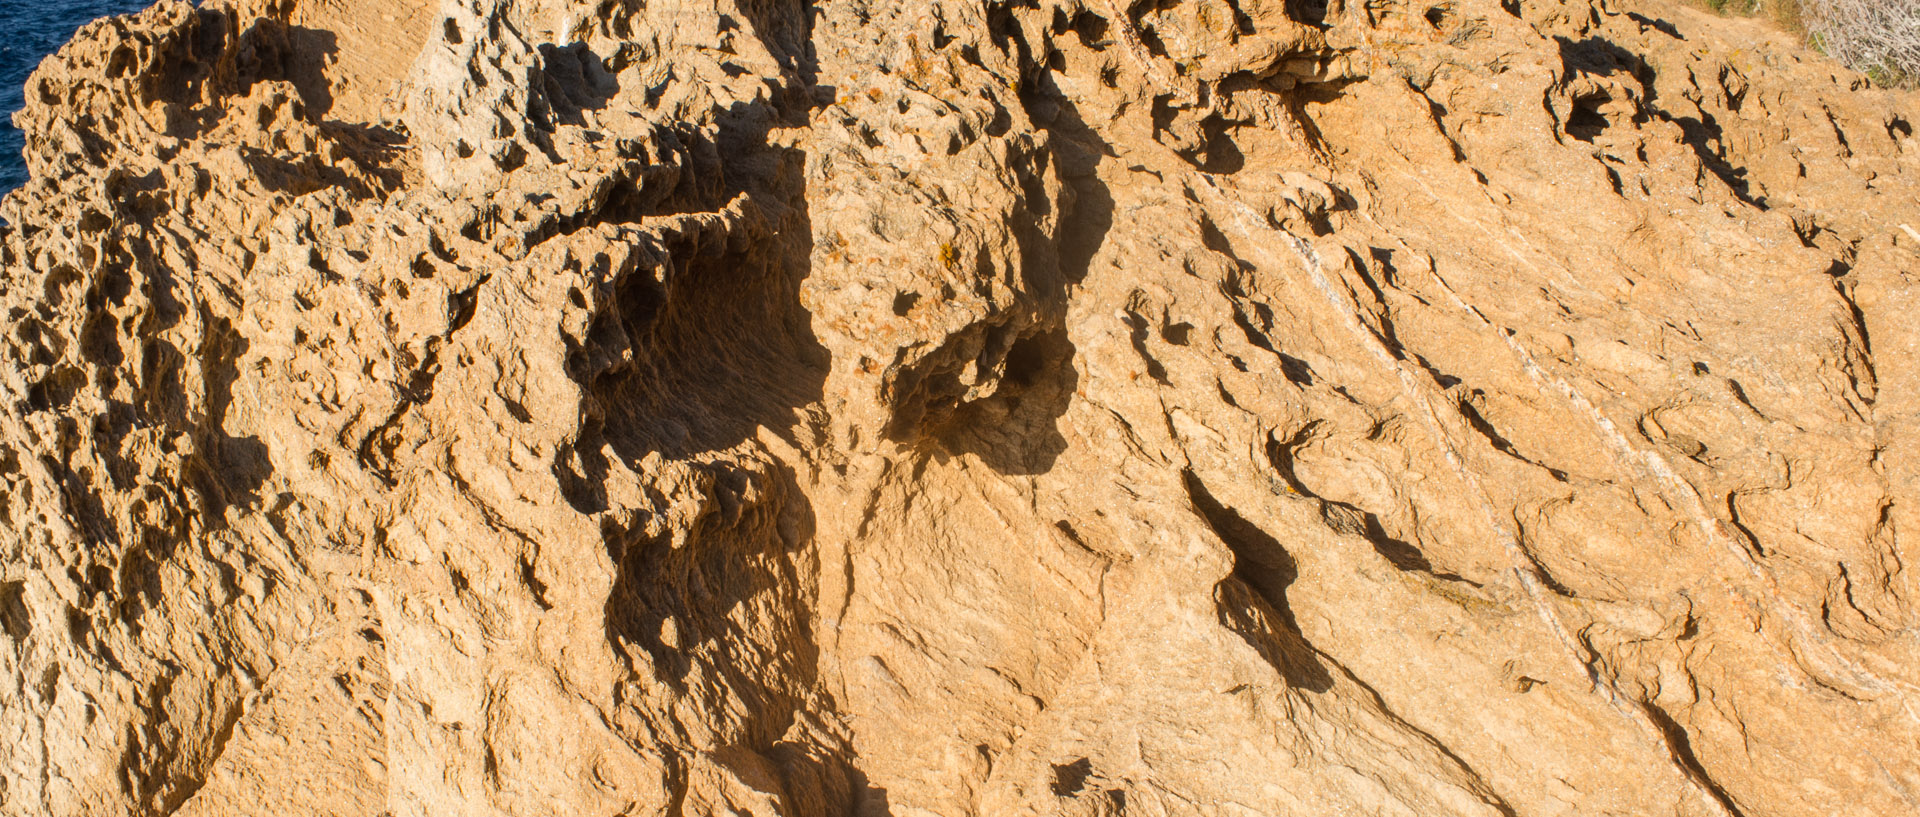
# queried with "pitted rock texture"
point(958, 407)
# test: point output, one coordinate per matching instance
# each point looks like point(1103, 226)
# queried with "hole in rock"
point(1310, 12)
point(903, 303)
point(1070, 778)
point(1586, 121)
point(1015, 430)
point(14, 619)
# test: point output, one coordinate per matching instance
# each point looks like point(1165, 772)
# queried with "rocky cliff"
point(958, 407)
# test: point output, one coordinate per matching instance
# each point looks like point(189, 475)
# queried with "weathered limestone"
point(1078, 407)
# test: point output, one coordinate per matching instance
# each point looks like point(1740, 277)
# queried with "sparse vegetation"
point(1878, 37)
point(1786, 13)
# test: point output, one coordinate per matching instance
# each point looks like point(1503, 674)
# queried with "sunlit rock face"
point(958, 407)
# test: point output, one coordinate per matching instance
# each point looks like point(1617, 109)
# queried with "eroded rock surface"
point(1080, 407)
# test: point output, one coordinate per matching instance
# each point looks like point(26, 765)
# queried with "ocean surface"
point(29, 31)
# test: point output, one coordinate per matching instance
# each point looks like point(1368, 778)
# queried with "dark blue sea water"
point(30, 30)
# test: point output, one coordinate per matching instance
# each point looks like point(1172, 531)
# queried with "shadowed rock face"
point(536, 407)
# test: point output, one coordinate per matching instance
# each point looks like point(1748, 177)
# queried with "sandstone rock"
point(1074, 407)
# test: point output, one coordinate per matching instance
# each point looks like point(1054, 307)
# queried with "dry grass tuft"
point(1878, 37)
